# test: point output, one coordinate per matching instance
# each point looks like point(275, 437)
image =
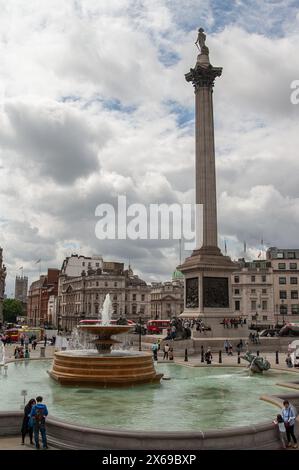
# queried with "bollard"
point(42, 351)
point(257, 353)
point(186, 355)
point(220, 357)
point(239, 358)
point(277, 358)
point(202, 355)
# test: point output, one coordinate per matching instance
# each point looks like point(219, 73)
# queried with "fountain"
point(103, 366)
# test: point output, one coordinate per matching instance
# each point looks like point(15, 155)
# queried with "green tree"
point(12, 309)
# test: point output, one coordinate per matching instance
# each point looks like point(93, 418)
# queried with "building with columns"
point(2, 284)
point(82, 296)
point(167, 298)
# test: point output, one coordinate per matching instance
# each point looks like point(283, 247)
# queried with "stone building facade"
point(267, 291)
point(21, 288)
point(253, 292)
point(2, 284)
point(82, 296)
point(285, 265)
point(167, 299)
point(38, 298)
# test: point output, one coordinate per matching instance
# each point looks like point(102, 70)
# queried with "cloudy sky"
point(93, 103)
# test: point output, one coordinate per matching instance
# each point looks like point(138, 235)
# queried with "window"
point(253, 305)
point(97, 296)
point(265, 318)
point(83, 264)
point(281, 265)
point(134, 309)
point(97, 283)
point(106, 284)
point(253, 291)
point(293, 265)
point(237, 291)
point(280, 255)
point(264, 305)
point(237, 279)
point(295, 309)
point(282, 280)
point(89, 264)
point(115, 284)
point(294, 280)
point(252, 278)
point(282, 294)
point(283, 309)
point(294, 294)
point(97, 265)
point(264, 278)
point(237, 304)
point(115, 297)
point(291, 255)
point(142, 297)
point(134, 296)
point(264, 291)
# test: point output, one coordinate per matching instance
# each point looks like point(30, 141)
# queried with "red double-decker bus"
point(157, 326)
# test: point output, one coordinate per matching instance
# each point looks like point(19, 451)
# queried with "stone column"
point(203, 77)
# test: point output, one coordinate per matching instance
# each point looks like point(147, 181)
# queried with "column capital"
point(203, 76)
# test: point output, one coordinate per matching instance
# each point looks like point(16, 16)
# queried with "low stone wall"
point(62, 435)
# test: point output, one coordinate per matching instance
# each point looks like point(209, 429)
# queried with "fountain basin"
point(118, 368)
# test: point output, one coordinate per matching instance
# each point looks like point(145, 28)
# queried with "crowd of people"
point(233, 322)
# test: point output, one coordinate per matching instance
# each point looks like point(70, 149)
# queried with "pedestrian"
point(170, 354)
point(208, 356)
point(155, 348)
point(230, 349)
point(34, 344)
point(289, 417)
point(38, 416)
point(289, 362)
point(45, 340)
point(166, 351)
point(26, 427)
point(27, 354)
point(226, 345)
point(282, 430)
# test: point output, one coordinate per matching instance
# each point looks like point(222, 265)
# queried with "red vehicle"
point(13, 334)
point(157, 326)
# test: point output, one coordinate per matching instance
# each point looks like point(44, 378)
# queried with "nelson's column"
point(207, 272)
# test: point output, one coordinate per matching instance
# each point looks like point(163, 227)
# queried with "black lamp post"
point(139, 333)
point(282, 303)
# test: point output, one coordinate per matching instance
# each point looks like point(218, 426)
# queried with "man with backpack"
point(38, 419)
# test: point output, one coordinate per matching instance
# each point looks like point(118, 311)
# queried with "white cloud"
point(94, 103)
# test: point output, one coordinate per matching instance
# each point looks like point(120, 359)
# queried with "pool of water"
point(194, 399)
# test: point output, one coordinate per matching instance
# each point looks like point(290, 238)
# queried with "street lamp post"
point(139, 333)
point(282, 303)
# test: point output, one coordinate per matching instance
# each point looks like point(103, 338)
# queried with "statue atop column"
point(201, 42)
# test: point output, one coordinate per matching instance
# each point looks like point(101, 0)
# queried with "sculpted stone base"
point(102, 371)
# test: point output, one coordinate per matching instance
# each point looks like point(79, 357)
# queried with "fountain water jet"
point(103, 367)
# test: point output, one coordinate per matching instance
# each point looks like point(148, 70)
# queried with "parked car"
point(269, 332)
